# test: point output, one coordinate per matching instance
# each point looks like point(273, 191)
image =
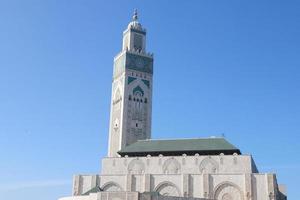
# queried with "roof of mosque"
point(177, 147)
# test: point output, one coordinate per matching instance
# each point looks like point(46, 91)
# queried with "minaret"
point(131, 101)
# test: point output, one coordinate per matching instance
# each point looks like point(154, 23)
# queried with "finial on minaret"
point(135, 15)
point(134, 24)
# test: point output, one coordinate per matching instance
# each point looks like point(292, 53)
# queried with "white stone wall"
point(212, 186)
point(178, 164)
point(116, 115)
point(184, 176)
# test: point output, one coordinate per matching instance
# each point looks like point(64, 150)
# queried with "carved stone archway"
point(171, 166)
point(228, 191)
point(136, 166)
point(208, 166)
point(111, 187)
point(168, 189)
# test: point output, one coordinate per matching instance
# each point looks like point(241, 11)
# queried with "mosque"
point(140, 168)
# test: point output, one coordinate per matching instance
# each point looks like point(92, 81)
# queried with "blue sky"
point(221, 67)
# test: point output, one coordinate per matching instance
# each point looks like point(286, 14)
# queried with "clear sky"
point(221, 67)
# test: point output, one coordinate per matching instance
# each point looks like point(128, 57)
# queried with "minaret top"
point(134, 23)
point(134, 37)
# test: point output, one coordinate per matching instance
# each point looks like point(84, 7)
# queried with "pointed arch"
point(111, 186)
point(138, 89)
point(117, 98)
point(171, 166)
point(136, 166)
point(117, 93)
point(228, 191)
point(167, 188)
point(208, 166)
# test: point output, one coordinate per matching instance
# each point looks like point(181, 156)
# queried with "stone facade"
point(219, 177)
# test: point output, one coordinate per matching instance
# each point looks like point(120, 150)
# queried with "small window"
point(145, 100)
point(136, 125)
point(129, 98)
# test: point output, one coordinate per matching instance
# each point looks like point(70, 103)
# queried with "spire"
point(135, 15)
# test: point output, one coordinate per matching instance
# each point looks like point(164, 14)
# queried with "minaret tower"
point(131, 101)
